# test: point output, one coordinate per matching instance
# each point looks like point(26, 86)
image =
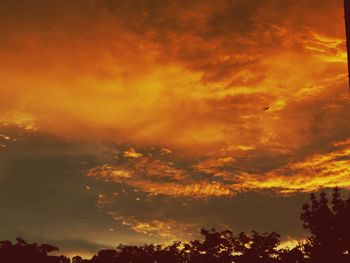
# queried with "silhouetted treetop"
point(22, 251)
point(328, 223)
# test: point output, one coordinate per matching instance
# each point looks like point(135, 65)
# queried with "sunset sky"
point(142, 121)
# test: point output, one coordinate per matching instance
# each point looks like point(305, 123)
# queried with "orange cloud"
point(147, 180)
point(320, 171)
point(157, 177)
point(131, 153)
point(168, 229)
point(19, 119)
point(327, 170)
point(190, 77)
point(187, 76)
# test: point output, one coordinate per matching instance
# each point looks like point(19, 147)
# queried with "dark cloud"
point(45, 196)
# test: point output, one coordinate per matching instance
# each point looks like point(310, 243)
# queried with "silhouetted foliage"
point(294, 255)
point(328, 225)
point(329, 241)
point(78, 259)
point(216, 247)
point(256, 248)
point(25, 252)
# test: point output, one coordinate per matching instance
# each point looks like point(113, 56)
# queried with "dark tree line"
point(329, 241)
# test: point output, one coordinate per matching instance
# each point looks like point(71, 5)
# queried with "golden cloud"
point(19, 119)
point(156, 177)
point(320, 171)
point(193, 78)
point(190, 77)
point(179, 188)
point(165, 229)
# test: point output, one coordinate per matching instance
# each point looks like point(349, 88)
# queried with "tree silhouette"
point(105, 256)
point(78, 259)
point(294, 255)
point(328, 225)
point(216, 247)
point(256, 248)
point(25, 252)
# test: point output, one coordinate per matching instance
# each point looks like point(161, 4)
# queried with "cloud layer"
point(155, 110)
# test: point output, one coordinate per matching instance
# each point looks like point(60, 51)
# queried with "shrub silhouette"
point(329, 241)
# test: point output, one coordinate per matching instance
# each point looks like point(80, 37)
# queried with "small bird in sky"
point(266, 108)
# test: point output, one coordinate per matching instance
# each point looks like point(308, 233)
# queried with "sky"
point(142, 121)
